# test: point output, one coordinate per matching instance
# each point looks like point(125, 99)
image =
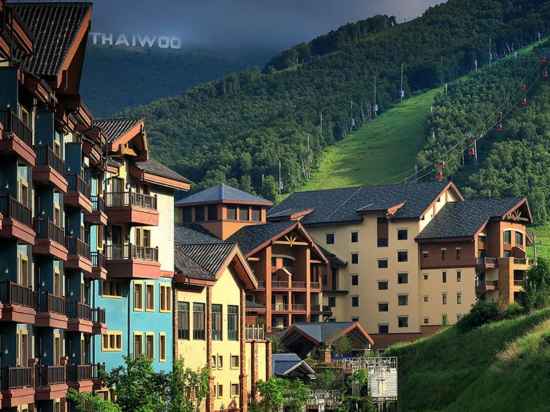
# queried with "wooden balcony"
point(17, 220)
point(99, 270)
point(299, 307)
point(80, 317)
point(485, 286)
point(131, 209)
point(487, 263)
point(49, 169)
point(81, 377)
point(18, 303)
point(51, 311)
point(16, 138)
point(17, 385)
point(50, 239)
point(79, 257)
point(280, 307)
point(79, 192)
point(98, 215)
point(51, 382)
point(130, 261)
point(98, 321)
point(255, 332)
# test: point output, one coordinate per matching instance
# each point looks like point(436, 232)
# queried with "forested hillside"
point(242, 128)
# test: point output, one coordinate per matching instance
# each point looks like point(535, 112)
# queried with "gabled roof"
point(115, 128)
point(333, 259)
point(323, 332)
point(346, 205)
point(285, 364)
point(465, 219)
point(252, 236)
point(158, 169)
point(223, 193)
point(194, 234)
point(56, 29)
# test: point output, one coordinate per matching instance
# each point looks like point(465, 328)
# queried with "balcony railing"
point(77, 183)
point(46, 229)
point(315, 285)
point(14, 294)
point(298, 284)
point(521, 261)
point(77, 373)
point(280, 307)
point(255, 332)
point(77, 310)
point(51, 375)
point(50, 303)
point(129, 252)
point(15, 378)
point(11, 207)
point(129, 199)
point(487, 261)
point(13, 124)
point(298, 306)
point(98, 260)
point(78, 247)
point(46, 157)
point(98, 205)
point(281, 284)
point(98, 315)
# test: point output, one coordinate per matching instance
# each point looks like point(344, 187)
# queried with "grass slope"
point(383, 151)
point(542, 240)
point(503, 366)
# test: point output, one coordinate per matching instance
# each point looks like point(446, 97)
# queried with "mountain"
point(254, 126)
point(118, 78)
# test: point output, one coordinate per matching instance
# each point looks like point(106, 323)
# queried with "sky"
point(243, 23)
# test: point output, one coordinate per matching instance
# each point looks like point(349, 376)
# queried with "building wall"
point(163, 234)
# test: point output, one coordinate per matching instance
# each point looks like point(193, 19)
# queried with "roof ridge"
point(344, 202)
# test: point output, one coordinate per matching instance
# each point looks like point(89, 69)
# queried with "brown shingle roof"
point(158, 169)
point(201, 260)
point(53, 28)
point(113, 128)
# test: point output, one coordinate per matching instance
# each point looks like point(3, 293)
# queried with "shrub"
point(481, 313)
point(513, 311)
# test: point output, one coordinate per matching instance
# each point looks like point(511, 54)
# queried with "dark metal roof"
point(223, 193)
point(322, 331)
point(53, 27)
point(158, 169)
point(113, 128)
point(250, 237)
point(285, 363)
point(346, 204)
point(194, 234)
point(464, 219)
point(202, 260)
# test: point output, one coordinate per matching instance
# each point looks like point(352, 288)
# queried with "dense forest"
point(252, 127)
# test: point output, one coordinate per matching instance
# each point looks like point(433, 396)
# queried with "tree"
point(85, 402)
point(188, 388)
point(537, 286)
point(278, 392)
point(342, 346)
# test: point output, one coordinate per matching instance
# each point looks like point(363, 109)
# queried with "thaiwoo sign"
point(135, 40)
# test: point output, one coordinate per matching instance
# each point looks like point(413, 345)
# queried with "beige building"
point(407, 259)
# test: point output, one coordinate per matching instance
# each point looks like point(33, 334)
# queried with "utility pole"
point(280, 179)
point(475, 64)
point(375, 104)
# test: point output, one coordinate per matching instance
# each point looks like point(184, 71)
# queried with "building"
point(407, 259)
point(211, 282)
point(48, 160)
point(137, 248)
point(286, 261)
point(290, 365)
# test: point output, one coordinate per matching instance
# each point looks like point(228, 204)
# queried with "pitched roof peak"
point(223, 193)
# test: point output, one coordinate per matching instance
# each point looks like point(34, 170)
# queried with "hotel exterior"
point(407, 259)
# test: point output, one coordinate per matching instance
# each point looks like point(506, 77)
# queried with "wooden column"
point(211, 390)
point(268, 360)
point(268, 290)
point(307, 268)
point(243, 395)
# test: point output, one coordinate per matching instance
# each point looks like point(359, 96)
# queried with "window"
point(444, 298)
point(150, 297)
point(138, 344)
point(111, 341)
point(426, 321)
point(330, 238)
point(402, 234)
point(458, 276)
point(217, 319)
point(426, 276)
point(198, 321)
point(443, 253)
point(162, 347)
point(355, 301)
point(354, 280)
point(383, 307)
point(402, 256)
point(425, 254)
point(458, 253)
point(219, 390)
point(444, 277)
point(444, 319)
point(459, 298)
point(332, 301)
point(235, 361)
point(199, 214)
point(232, 322)
point(256, 214)
point(382, 263)
point(403, 321)
point(187, 215)
point(355, 319)
point(234, 389)
point(382, 285)
point(183, 320)
point(354, 237)
point(403, 300)
point(507, 237)
point(212, 212)
point(519, 239)
point(402, 278)
point(426, 298)
point(220, 362)
point(244, 214)
point(232, 212)
point(165, 298)
point(138, 296)
point(150, 346)
point(355, 258)
point(383, 329)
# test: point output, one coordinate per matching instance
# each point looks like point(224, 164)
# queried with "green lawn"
point(383, 151)
point(503, 366)
point(542, 241)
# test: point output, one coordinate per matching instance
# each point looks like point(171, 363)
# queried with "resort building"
point(407, 259)
point(287, 263)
